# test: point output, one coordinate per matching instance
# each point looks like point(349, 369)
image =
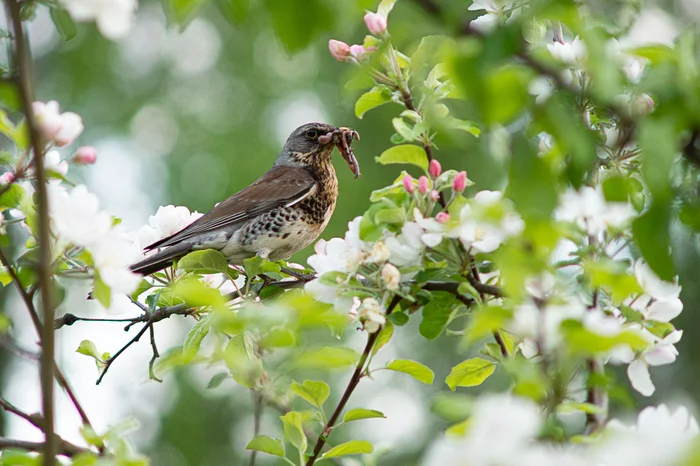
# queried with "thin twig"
point(63, 447)
point(156, 355)
point(352, 384)
point(108, 362)
point(24, 78)
point(34, 419)
point(257, 415)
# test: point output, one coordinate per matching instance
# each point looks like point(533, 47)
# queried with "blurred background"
point(188, 117)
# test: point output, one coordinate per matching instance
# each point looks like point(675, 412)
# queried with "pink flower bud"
point(408, 184)
point(85, 155)
point(434, 195)
point(360, 52)
point(460, 182)
point(442, 217)
point(7, 178)
point(375, 23)
point(423, 184)
point(340, 50)
point(435, 168)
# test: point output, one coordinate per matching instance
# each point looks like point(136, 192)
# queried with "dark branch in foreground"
point(352, 384)
point(65, 448)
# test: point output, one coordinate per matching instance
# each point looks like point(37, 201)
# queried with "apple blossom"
point(339, 49)
point(61, 128)
point(571, 54)
point(391, 277)
point(380, 253)
point(85, 155)
point(423, 184)
point(460, 182)
point(434, 169)
point(53, 163)
point(371, 314)
point(408, 184)
point(442, 217)
point(434, 195)
point(360, 52)
point(588, 209)
point(376, 23)
point(7, 178)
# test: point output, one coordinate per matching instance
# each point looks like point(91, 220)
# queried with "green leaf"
point(88, 348)
point(437, 314)
point(361, 413)
point(585, 342)
point(415, 369)
point(396, 215)
point(204, 262)
point(404, 130)
point(12, 197)
point(144, 285)
point(327, 357)
point(405, 153)
point(453, 407)
point(534, 30)
point(353, 447)
point(312, 391)
point(371, 99)
point(298, 22)
point(257, 266)
point(241, 359)
point(10, 98)
point(197, 294)
point(217, 380)
point(194, 338)
point(383, 338)
point(265, 444)
point(63, 22)
point(484, 321)
point(532, 184)
point(5, 277)
point(470, 373)
point(181, 12)
point(293, 431)
point(277, 338)
point(464, 125)
point(235, 11)
point(385, 7)
point(102, 293)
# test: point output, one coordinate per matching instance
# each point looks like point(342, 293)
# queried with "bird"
point(282, 212)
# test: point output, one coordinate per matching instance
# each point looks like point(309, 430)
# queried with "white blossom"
point(113, 255)
point(371, 314)
point(53, 163)
point(380, 253)
point(391, 277)
point(588, 209)
point(406, 248)
point(76, 215)
point(114, 18)
point(495, 10)
point(61, 128)
point(432, 229)
point(571, 54)
point(340, 254)
point(661, 351)
point(168, 220)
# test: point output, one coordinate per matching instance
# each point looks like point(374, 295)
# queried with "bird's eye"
point(311, 133)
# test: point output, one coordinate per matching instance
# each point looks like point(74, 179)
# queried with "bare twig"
point(257, 415)
point(22, 61)
point(34, 419)
point(352, 384)
point(156, 355)
point(63, 447)
point(108, 363)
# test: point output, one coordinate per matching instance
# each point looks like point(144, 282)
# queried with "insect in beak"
point(342, 138)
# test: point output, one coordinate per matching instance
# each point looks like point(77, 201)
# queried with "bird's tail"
point(161, 259)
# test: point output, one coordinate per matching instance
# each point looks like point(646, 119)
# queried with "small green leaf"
point(144, 285)
point(464, 125)
point(361, 413)
point(102, 292)
point(312, 391)
point(293, 431)
point(534, 30)
point(235, 11)
point(241, 359)
point(385, 7)
point(415, 369)
point(181, 12)
point(217, 380)
point(88, 348)
point(405, 153)
point(328, 357)
point(197, 294)
point(383, 338)
point(194, 338)
point(5, 277)
point(257, 266)
point(437, 314)
point(204, 262)
point(63, 22)
point(353, 447)
point(12, 197)
point(371, 99)
point(403, 129)
point(277, 338)
point(395, 215)
point(470, 373)
point(265, 444)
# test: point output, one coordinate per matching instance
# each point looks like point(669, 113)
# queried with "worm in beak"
point(342, 138)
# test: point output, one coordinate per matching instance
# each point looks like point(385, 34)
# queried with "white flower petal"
point(639, 376)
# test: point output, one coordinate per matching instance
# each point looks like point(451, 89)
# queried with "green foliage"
point(353, 447)
point(470, 373)
point(405, 154)
point(265, 444)
point(371, 99)
point(415, 369)
point(314, 392)
point(358, 414)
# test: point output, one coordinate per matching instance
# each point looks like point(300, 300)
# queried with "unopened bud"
point(435, 168)
point(641, 105)
point(391, 277)
point(375, 23)
point(434, 195)
point(339, 49)
point(460, 182)
point(360, 51)
point(85, 155)
point(442, 217)
point(423, 184)
point(408, 184)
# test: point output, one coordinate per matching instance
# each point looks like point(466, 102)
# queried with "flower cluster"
point(376, 24)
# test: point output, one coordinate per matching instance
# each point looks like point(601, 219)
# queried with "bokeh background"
point(188, 117)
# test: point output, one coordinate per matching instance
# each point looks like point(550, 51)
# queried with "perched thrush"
point(281, 213)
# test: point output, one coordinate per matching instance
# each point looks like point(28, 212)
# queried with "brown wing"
point(280, 186)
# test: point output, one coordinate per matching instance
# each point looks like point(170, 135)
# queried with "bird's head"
point(311, 145)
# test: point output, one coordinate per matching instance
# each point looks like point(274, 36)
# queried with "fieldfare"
point(281, 213)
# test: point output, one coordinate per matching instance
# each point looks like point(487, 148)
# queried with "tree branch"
point(63, 447)
point(352, 384)
point(24, 78)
